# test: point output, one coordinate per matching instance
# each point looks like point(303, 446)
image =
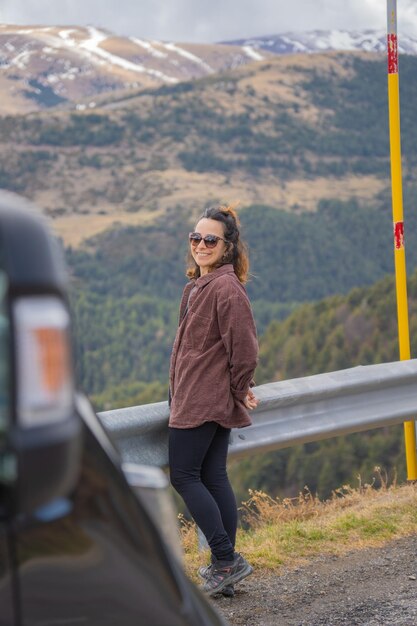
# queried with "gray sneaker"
point(222, 574)
point(204, 572)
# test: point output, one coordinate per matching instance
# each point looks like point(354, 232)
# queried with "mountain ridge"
point(289, 132)
point(46, 67)
point(50, 66)
point(271, 133)
point(325, 41)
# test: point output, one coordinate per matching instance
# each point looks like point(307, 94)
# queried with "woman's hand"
point(250, 402)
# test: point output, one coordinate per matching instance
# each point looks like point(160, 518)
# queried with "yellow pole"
point(397, 213)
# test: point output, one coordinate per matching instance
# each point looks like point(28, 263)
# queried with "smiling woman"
point(216, 242)
point(208, 249)
point(212, 365)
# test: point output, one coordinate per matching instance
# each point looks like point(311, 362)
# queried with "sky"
point(208, 21)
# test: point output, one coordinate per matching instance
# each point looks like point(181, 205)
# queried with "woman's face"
point(207, 257)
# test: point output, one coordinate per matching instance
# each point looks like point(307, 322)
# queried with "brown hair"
point(236, 252)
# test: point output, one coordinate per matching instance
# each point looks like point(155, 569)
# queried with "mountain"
point(288, 132)
point(43, 67)
point(326, 41)
point(74, 67)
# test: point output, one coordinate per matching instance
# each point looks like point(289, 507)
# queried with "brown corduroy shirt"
point(215, 353)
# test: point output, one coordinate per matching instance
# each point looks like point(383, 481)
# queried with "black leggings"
point(197, 461)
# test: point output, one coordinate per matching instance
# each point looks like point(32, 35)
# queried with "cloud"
point(407, 18)
point(202, 21)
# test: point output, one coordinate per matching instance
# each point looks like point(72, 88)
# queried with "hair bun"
point(230, 210)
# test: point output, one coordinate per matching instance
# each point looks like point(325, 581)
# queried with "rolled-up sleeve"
point(238, 332)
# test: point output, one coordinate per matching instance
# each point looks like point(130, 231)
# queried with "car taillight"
point(43, 353)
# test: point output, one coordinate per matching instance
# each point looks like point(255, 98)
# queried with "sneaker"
point(224, 573)
point(228, 591)
point(204, 572)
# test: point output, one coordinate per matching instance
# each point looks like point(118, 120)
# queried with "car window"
point(4, 355)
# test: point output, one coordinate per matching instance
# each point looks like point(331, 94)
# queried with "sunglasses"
point(210, 241)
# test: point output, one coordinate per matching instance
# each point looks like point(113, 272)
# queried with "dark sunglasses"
point(210, 241)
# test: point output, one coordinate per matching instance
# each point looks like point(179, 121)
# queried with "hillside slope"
point(72, 67)
point(327, 40)
point(338, 332)
point(288, 133)
point(45, 67)
point(333, 334)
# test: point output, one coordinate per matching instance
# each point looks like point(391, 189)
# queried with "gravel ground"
point(372, 587)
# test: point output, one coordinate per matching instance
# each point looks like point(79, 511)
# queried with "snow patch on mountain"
point(65, 34)
point(93, 46)
point(188, 55)
point(88, 48)
point(252, 54)
point(149, 47)
point(326, 41)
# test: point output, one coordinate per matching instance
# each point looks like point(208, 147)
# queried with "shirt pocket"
point(196, 332)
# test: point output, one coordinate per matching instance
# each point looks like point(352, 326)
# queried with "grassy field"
point(288, 532)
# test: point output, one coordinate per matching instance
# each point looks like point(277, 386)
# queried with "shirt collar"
point(207, 278)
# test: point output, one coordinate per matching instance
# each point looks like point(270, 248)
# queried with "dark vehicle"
point(78, 545)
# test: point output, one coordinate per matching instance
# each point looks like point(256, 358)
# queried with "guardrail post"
point(397, 212)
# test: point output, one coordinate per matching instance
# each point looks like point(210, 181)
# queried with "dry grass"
point(191, 189)
point(75, 229)
point(290, 531)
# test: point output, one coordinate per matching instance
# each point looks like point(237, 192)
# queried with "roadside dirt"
point(372, 587)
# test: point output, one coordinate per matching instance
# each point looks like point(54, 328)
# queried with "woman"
point(212, 365)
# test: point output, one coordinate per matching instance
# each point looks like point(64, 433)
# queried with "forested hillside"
point(127, 288)
point(288, 132)
point(335, 333)
point(294, 257)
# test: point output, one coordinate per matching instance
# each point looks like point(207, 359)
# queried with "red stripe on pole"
point(392, 49)
point(399, 235)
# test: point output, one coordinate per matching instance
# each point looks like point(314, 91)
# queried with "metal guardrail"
point(289, 412)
